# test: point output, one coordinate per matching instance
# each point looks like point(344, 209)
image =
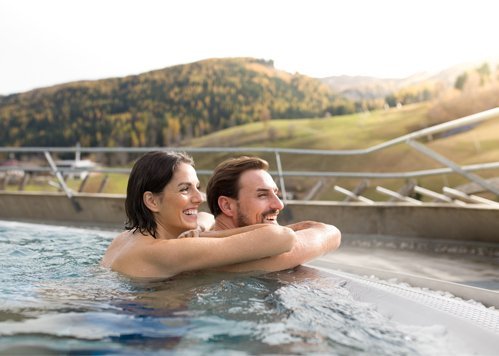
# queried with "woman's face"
point(179, 201)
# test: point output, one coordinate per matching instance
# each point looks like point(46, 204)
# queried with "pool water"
point(55, 298)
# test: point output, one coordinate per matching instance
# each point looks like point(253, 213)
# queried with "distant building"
point(14, 173)
point(80, 166)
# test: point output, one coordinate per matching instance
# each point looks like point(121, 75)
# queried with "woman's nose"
point(198, 196)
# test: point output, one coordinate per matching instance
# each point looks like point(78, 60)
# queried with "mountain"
point(362, 87)
point(366, 88)
point(162, 107)
point(169, 106)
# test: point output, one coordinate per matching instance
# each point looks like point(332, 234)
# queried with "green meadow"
point(355, 132)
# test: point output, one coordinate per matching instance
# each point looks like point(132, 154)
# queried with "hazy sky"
point(46, 42)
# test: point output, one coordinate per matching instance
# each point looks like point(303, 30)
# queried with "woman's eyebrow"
point(186, 183)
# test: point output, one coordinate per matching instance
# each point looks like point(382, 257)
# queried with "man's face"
point(257, 201)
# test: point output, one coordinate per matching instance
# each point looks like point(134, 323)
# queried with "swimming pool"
point(54, 297)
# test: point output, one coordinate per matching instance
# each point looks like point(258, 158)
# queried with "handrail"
point(371, 175)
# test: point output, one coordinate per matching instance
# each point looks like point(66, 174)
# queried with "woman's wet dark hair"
point(151, 172)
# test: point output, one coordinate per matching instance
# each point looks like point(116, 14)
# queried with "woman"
point(162, 201)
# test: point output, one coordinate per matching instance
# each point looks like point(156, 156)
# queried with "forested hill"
point(162, 107)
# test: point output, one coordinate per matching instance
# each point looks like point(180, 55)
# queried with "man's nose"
point(277, 203)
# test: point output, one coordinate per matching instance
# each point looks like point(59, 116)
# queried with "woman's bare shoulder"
point(121, 246)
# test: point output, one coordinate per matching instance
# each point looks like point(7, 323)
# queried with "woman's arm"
point(165, 258)
point(220, 233)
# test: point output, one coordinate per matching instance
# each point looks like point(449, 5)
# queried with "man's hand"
point(302, 225)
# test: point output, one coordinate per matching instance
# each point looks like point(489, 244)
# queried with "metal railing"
point(281, 173)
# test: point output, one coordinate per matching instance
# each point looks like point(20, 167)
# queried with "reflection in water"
point(55, 298)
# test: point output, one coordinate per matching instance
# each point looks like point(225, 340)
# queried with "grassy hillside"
point(359, 131)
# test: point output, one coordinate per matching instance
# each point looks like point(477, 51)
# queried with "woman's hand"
point(190, 233)
point(206, 221)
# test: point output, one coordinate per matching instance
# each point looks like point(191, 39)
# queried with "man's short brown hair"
point(225, 179)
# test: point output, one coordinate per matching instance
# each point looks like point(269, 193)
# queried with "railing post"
point(61, 181)
point(24, 181)
point(77, 152)
point(281, 177)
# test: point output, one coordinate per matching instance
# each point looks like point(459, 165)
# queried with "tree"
point(484, 73)
point(391, 100)
point(461, 81)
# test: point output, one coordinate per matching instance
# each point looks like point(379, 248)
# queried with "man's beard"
point(244, 220)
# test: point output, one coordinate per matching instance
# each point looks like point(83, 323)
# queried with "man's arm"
point(313, 239)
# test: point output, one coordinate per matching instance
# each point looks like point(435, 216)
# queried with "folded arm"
point(199, 232)
point(166, 258)
point(312, 239)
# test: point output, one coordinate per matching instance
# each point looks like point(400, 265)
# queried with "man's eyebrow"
point(267, 189)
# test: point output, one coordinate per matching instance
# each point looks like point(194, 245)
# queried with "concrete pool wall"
point(430, 221)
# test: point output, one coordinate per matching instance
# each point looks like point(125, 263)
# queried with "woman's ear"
point(150, 201)
point(227, 205)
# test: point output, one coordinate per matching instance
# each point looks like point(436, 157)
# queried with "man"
point(242, 193)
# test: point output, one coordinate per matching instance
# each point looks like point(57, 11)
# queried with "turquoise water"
point(54, 297)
